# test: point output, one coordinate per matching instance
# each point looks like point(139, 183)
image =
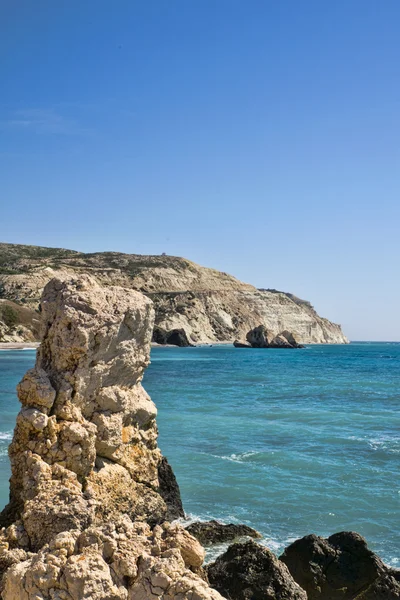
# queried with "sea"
point(290, 442)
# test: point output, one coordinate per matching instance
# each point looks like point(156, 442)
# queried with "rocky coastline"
point(193, 304)
point(93, 503)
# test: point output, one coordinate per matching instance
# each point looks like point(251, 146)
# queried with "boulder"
point(285, 339)
point(239, 344)
point(213, 532)
point(292, 338)
point(248, 571)
point(340, 567)
point(279, 341)
point(259, 337)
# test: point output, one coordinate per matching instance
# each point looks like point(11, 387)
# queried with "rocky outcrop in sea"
point(261, 337)
point(92, 498)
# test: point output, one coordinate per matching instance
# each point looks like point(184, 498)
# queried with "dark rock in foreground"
point(386, 587)
point(169, 490)
point(250, 572)
point(213, 532)
point(340, 567)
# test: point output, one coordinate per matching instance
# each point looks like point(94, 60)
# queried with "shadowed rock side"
point(169, 490)
point(213, 532)
point(90, 491)
point(340, 568)
point(193, 304)
point(250, 572)
point(175, 337)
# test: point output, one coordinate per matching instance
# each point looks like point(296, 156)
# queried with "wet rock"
point(213, 532)
point(250, 572)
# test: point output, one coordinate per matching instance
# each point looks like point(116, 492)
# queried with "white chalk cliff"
point(193, 304)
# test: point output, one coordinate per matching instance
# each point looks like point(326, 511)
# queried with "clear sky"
point(258, 137)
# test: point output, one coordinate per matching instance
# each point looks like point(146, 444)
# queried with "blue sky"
point(260, 138)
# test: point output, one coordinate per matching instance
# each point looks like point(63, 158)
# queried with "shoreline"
point(19, 345)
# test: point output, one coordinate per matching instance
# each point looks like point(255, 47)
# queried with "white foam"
point(240, 458)
point(383, 442)
point(6, 435)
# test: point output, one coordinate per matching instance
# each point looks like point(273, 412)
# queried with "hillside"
point(193, 304)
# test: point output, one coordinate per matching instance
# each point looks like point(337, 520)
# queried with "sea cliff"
point(92, 498)
point(193, 304)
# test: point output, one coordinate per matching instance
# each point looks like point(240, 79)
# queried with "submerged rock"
point(213, 532)
point(250, 572)
point(90, 491)
point(340, 567)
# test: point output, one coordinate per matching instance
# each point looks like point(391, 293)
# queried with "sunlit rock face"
point(87, 513)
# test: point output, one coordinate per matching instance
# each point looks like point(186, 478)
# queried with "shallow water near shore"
point(288, 442)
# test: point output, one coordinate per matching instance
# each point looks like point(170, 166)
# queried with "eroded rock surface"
point(262, 337)
point(340, 567)
point(250, 572)
point(213, 532)
point(90, 492)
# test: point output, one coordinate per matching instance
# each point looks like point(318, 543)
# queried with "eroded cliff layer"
point(193, 304)
point(91, 494)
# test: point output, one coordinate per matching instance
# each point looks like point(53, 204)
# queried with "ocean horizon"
point(288, 442)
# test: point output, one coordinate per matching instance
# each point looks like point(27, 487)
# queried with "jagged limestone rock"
point(87, 513)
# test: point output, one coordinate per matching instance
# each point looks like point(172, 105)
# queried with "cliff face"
point(90, 494)
point(202, 304)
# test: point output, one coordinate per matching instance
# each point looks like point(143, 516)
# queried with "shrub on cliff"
point(8, 315)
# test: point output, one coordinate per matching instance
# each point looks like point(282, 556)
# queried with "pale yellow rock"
point(87, 516)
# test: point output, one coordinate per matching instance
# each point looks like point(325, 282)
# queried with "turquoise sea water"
point(289, 442)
